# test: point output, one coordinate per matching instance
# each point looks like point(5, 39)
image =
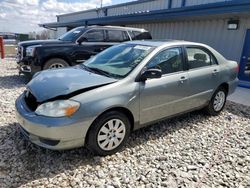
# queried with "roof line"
point(165, 14)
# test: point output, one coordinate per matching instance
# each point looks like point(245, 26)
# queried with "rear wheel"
point(217, 102)
point(108, 133)
point(55, 63)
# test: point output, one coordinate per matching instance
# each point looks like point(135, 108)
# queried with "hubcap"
point(111, 134)
point(219, 101)
point(56, 66)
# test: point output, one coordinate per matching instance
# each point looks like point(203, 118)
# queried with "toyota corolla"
point(97, 104)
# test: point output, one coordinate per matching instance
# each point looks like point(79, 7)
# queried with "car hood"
point(41, 42)
point(55, 83)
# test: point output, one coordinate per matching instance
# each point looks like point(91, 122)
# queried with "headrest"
point(201, 57)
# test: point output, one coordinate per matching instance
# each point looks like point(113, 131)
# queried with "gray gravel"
point(193, 150)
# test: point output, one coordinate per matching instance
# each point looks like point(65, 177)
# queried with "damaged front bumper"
point(52, 133)
point(27, 66)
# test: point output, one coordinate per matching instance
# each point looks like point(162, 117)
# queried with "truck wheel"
point(108, 133)
point(55, 63)
point(217, 102)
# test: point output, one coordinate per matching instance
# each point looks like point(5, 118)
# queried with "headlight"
point(30, 51)
point(59, 108)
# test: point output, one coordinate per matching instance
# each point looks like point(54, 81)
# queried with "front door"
point(165, 96)
point(93, 43)
point(244, 73)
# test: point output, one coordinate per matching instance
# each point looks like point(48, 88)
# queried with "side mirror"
point(150, 74)
point(81, 40)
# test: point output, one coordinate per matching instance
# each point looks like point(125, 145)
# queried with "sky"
point(23, 16)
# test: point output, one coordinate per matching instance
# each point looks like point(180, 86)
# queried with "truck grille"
point(31, 101)
point(19, 52)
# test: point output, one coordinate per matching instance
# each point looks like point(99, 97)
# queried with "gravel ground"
point(193, 150)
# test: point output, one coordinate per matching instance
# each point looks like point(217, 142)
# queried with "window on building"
point(117, 36)
point(94, 36)
point(169, 61)
point(199, 58)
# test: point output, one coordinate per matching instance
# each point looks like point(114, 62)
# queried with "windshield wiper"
point(99, 71)
point(96, 70)
point(86, 67)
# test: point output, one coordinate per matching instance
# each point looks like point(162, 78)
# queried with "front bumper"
point(52, 133)
point(27, 66)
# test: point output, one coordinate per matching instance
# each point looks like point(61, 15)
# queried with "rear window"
point(136, 35)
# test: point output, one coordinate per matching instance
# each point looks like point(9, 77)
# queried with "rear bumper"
point(232, 86)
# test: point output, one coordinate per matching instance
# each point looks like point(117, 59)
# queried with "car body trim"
point(185, 98)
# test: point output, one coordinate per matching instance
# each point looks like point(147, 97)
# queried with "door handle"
point(182, 79)
point(215, 71)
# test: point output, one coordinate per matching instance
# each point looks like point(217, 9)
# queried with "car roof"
point(168, 42)
point(113, 27)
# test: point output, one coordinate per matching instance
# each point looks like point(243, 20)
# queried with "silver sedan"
point(97, 104)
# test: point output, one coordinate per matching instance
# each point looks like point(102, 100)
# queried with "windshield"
point(118, 61)
point(72, 35)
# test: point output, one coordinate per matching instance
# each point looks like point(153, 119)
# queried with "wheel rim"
point(56, 66)
point(219, 101)
point(111, 134)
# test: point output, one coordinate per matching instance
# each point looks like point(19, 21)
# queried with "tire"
point(55, 63)
point(109, 128)
point(217, 102)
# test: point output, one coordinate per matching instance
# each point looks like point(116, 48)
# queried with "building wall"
point(139, 7)
point(213, 32)
point(132, 8)
point(200, 2)
point(80, 15)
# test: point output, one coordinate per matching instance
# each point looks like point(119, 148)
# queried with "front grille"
point(20, 52)
point(49, 142)
point(31, 101)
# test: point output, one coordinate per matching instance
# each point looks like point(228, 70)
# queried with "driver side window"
point(168, 61)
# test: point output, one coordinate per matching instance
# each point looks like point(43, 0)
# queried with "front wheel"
point(108, 133)
point(55, 63)
point(217, 102)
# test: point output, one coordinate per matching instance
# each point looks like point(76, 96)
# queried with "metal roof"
point(111, 6)
point(220, 8)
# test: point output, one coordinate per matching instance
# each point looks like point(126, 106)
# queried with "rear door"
point(203, 73)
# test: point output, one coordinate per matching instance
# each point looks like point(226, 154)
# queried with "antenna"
point(101, 3)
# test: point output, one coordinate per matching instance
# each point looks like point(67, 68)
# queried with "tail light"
point(237, 68)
